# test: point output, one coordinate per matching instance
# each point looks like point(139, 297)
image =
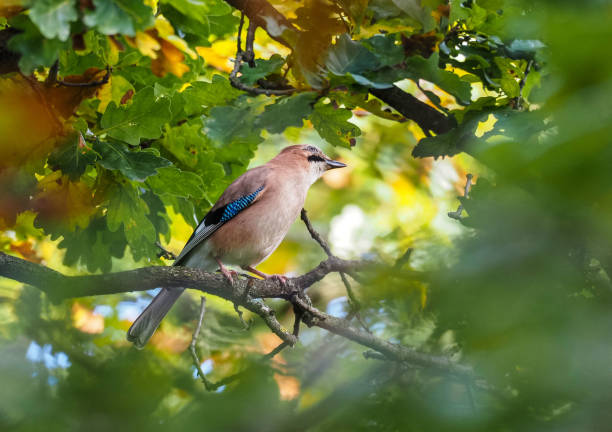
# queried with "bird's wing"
point(243, 192)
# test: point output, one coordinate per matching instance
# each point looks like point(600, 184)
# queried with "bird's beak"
point(331, 164)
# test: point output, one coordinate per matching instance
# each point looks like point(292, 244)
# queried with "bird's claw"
point(229, 274)
point(279, 278)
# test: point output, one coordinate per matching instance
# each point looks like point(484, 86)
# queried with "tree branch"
point(244, 293)
point(466, 192)
point(192, 347)
point(354, 304)
point(427, 117)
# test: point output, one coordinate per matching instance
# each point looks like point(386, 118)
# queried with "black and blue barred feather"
point(233, 208)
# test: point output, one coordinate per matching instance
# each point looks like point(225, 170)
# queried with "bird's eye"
point(315, 158)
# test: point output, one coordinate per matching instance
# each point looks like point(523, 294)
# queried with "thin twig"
point(239, 43)
point(296, 331)
point(249, 52)
point(236, 83)
point(466, 192)
point(354, 304)
point(518, 101)
point(192, 347)
point(52, 77)
point(248, 55)
point(369, 354)
point(403, 259)
point(245, 325)
point(164, 252)
point(103, 81)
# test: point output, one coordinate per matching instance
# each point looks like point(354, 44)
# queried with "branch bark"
point(244, 293)
point(264, 15)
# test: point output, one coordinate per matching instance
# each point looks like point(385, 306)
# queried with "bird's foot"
point(275, 277)
point(227, 273)
point(279, 278)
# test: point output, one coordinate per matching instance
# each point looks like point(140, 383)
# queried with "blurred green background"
point(519, 289)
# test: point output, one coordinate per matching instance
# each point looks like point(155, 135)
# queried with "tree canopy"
point(122, 121)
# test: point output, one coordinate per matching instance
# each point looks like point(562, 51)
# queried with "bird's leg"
point(226, 272)
point(280, 278)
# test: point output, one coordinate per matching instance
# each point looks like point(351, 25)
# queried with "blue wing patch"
point(235, 207)
point(214, 220)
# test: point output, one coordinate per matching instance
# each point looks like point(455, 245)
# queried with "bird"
point(244, 226)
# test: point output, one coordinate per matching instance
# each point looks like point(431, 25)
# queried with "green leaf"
point(262, 69)
point(348, 56)
point(232, 122)
point(409, 12)
point(73, 157)
point(363, 100)
point(173, 181)
point(453, 142)
point(354, 60)
point(203, 94)
point(413, 9)
point(187, 144)
point(201, 10)
point(458, 11)
point(95, 54)
point(144, 118)
point(332, 125)
point(53, 17)
point(119, 16)
point(157, 213)
point(287, 111)
point(511, 127)
point(93, 246)
point(385, 48)
point(234, 132)
point(35, 49)
point(510, 76)
point(135, 165)
point(127, 209)
point(197, 28)
point(418, 67)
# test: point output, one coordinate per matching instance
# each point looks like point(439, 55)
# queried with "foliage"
point(93, 176)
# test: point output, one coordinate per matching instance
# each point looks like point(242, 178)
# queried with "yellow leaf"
point(147, 44)
point(114, 90)
point(182, 45)
point(175, 341)
point(163, 27)
point(86, 320)
point(218, 54)
point(169, 61)
point(288, 386)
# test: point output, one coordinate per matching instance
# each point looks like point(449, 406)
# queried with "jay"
point(245, 225)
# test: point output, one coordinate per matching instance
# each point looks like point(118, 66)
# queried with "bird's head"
point(311, 159)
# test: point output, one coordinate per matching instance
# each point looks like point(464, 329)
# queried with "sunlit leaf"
point(53, 17)
point(262, 69)
point(173, 181)
point(331, 123)
point(142, 119)
point(286, 112)
point(127, 209)
point(135, 165)
point(73, 157)
point(119, 16)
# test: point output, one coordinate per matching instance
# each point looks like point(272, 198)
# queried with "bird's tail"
point(147, 322)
